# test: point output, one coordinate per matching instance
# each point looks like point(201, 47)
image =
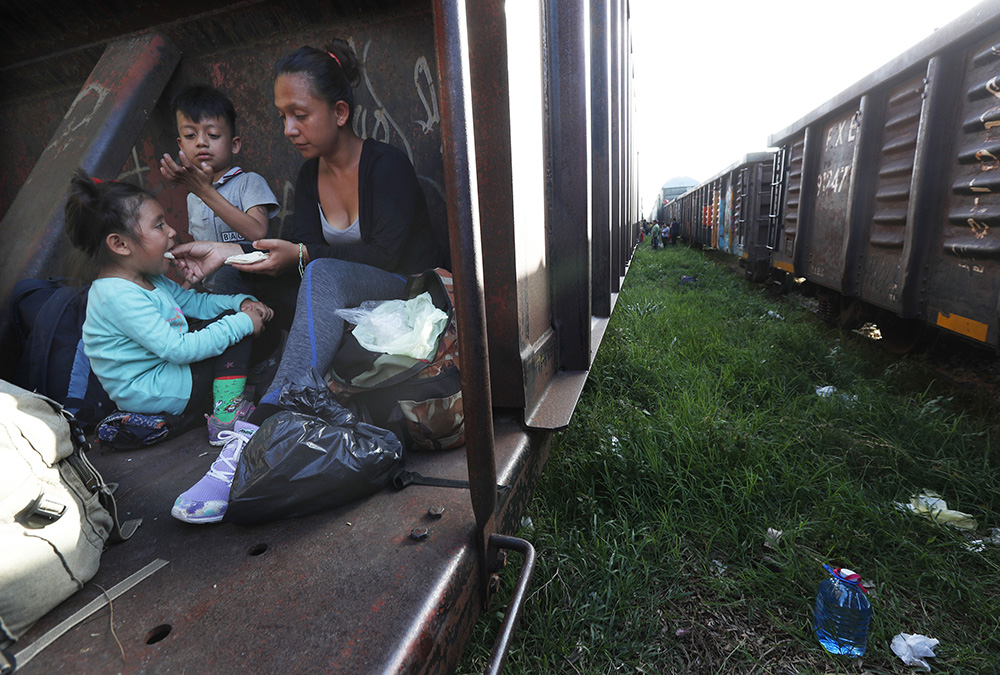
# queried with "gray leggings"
point(329, 284)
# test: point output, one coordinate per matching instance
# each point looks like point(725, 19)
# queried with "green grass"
point(698, 430)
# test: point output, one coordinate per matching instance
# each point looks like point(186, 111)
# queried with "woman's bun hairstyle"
point(334, 71)
point(95, 209)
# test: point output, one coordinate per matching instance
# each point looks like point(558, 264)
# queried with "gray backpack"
point(56, 512)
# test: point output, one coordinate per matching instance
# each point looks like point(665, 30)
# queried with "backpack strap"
point(95, 483)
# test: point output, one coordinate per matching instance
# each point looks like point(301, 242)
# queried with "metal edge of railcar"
point(513, 422)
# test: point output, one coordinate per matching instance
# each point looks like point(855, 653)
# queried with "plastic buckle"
point(40, 512)
point(47, 508)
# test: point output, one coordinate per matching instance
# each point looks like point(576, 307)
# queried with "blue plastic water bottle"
point(842, 613)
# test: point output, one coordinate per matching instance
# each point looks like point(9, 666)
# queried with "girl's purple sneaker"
point(206, 500)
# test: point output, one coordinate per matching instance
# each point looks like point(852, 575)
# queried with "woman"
point(360, 219)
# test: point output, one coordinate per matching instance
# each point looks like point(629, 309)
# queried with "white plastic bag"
point(914, 649)
point(407, 327)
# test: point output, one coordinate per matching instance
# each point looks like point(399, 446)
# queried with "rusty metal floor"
point(344, 591)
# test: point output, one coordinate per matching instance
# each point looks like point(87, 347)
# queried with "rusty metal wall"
point(543, 242)
point(103, 121)
point(233, 48)
point(27, 124)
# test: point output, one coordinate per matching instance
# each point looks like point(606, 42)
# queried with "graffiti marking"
point(987, 159)
point(383, 120)
point(979, 228)
point(993, 87)
point(69, 133)
point(137, 171)
point(431, 108)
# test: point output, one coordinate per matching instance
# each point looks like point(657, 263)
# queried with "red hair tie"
point(334, 57)
point(96, 180)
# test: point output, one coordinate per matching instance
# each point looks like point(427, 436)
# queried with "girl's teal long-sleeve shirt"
point(139, 344)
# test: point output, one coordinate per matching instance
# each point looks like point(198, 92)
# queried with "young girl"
point(135, 334)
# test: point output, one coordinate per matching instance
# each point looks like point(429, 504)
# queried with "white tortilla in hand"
point(246, 258)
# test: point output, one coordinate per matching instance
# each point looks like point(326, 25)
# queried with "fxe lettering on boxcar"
point(835, 135)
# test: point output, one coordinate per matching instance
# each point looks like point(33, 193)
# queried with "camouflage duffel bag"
point(419, 400)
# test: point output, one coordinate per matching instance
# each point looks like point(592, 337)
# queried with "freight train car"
point(731, 212)
point(887, 194)
point(469, 91)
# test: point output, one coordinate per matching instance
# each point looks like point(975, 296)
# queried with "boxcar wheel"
point(781, 282)
point(901, 336)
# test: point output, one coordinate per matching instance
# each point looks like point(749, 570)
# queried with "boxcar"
point(888, 192)
point(469, 90)
point(731, 212)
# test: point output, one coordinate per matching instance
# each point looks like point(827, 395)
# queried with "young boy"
point(224, 202)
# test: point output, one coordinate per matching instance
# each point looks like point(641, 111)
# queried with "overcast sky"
point(705, 71)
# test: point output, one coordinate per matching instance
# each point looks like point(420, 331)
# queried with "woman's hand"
point(282, 255)
point(266, 313)
point(197, 259)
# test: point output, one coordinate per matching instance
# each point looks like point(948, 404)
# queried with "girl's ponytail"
point(95, 209)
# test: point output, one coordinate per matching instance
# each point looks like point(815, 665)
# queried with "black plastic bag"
point(313, 456)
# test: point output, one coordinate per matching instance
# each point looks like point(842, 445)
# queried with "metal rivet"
point(418, 533)
point(435, 511)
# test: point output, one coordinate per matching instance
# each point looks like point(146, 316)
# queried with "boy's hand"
point(283, 254)
point(258, 320)
point(266, 313)
point(196, 178)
